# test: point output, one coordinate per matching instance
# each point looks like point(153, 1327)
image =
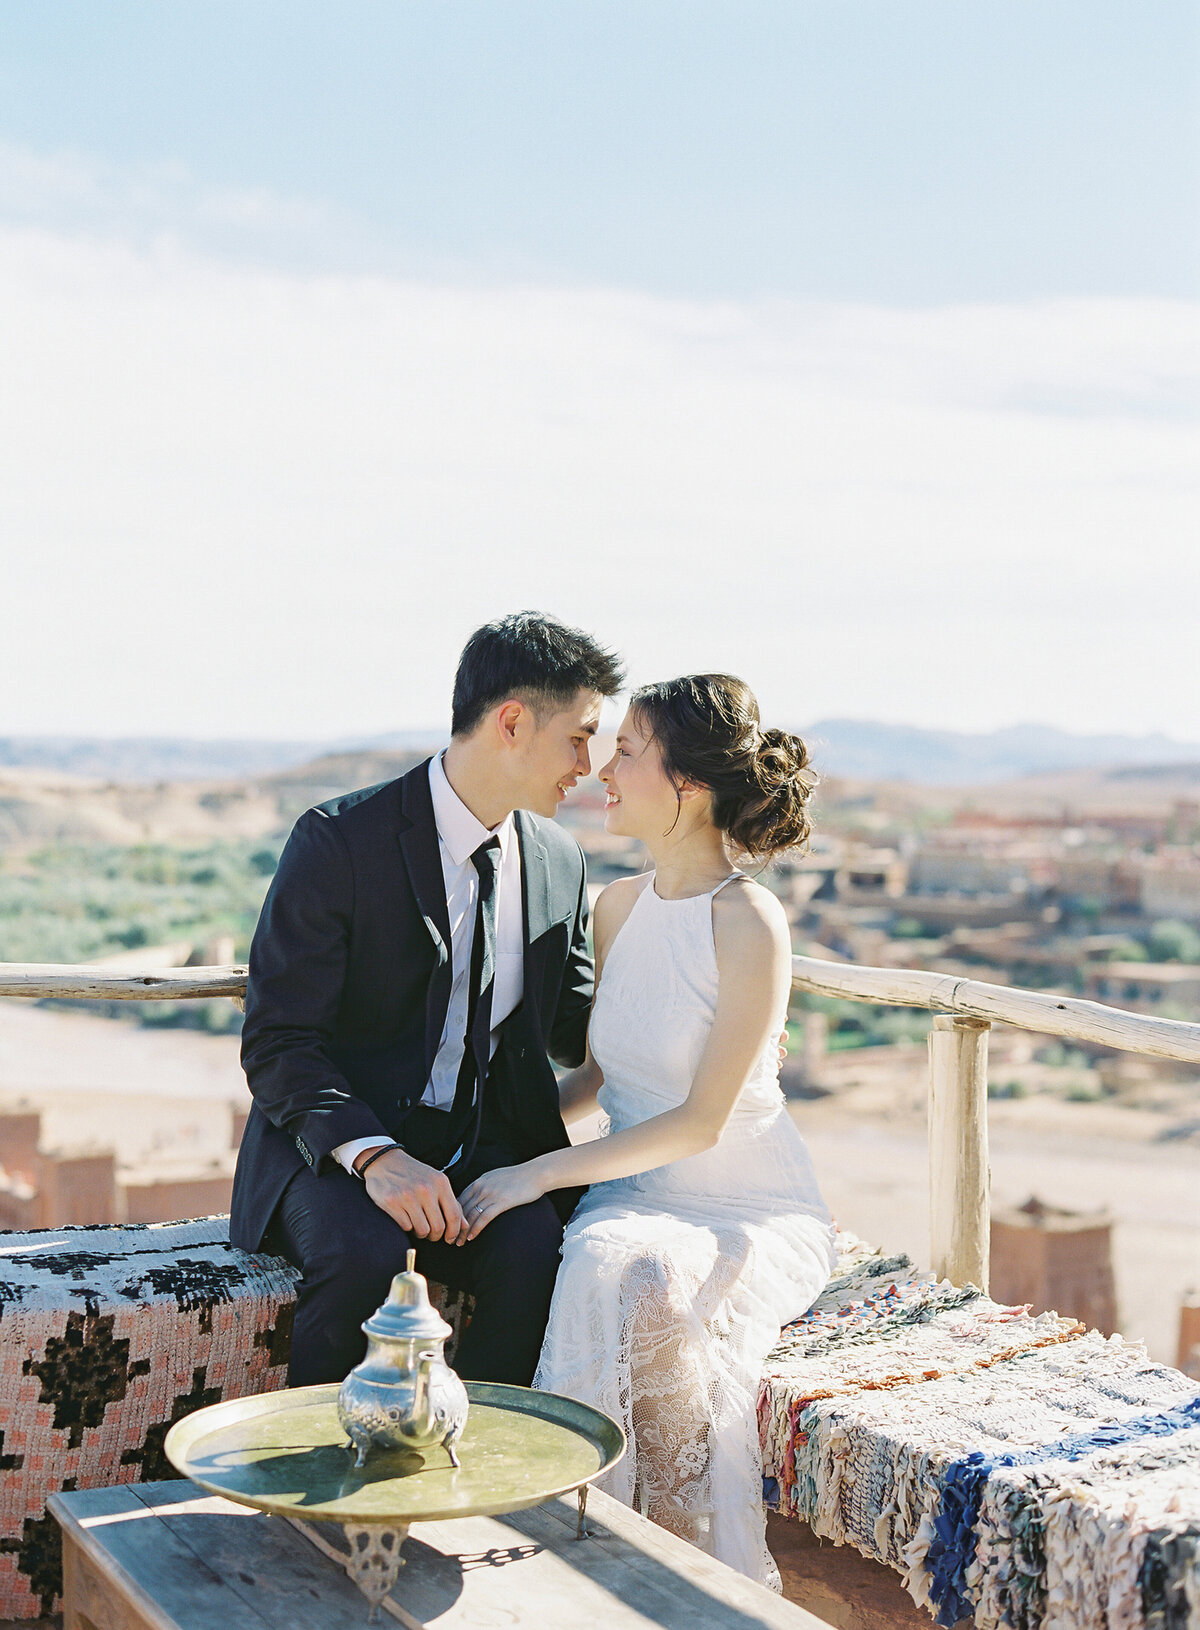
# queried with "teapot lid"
point(408, 1315)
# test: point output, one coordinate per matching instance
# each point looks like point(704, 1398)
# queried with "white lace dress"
point(675, 1283)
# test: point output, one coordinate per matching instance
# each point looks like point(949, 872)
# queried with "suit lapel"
point(535, 879)
point(418, 840)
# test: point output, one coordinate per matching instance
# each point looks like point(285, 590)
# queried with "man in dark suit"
point(420, 957)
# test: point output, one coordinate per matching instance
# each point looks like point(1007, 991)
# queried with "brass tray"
point(284, 1452)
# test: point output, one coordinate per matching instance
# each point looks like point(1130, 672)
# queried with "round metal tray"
point(285, 1452)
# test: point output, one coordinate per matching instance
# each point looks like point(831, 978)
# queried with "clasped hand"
point(416, 1196)
point(496, 1191)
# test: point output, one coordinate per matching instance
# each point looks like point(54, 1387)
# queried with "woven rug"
point(902, 1473)
point(1011, 1468)
point(1125, 1508)
point(881, 1325)
point(107, 1336)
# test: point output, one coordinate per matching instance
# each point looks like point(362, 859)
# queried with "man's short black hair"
point(533, 657)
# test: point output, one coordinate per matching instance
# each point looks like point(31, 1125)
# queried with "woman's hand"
point(501, 1190)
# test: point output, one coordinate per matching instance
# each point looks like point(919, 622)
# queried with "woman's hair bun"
point(707, 730)
point(787, 781)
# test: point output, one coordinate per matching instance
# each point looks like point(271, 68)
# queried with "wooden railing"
point(964, 1011)
point(93, 982)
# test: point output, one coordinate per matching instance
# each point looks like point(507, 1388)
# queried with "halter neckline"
point(684, 898)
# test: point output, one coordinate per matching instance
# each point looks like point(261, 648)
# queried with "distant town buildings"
point(49, 1188)
point(1148, 986)
point(1170, 884)
point(1080, 905)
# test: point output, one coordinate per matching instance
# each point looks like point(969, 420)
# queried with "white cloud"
point(241, 500)
point(145, 203)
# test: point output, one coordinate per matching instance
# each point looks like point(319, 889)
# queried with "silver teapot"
point(403, 1395)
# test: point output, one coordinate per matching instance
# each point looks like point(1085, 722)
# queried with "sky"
point(854, 348)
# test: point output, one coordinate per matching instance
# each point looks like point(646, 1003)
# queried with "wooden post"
point(1189, 1335)
point(958, 1149)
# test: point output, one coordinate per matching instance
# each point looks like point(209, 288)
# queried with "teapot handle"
point(421, 1390)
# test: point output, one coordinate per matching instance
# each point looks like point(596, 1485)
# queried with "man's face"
point(554, 751)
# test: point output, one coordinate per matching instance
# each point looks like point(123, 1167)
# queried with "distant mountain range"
point(858, 748)
point(897, 752)
point(181, 758)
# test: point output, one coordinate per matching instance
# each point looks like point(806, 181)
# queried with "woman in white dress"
point(703, 1229)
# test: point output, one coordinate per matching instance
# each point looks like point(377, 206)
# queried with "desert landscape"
point(1032, 879)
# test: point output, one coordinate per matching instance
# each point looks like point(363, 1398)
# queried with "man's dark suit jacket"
point(350, 981)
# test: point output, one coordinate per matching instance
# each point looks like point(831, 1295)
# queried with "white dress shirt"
point(459, 835)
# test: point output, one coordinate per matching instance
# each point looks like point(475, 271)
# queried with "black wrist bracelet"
point(384, 1149)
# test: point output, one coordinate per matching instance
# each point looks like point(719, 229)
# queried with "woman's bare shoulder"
point(618, 898)
point(749, 920)
point(613, 905)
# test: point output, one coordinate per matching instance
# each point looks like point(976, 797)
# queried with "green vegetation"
point(1166, 941)
point(1083, 1092)
point(74, 903)
point(1062, 1056)
point(858, 1024)
point(1173, 942)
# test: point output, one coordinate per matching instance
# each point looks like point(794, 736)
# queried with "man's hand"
point(500, 1190)
point(416, 1196)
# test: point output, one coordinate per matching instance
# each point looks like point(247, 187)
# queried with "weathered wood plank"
point(637, 1549)
point(265, 1562)
point(132, 1556)
point(1002, 1004)
point(89, 982)
point(182, 1560)
point(163, 1556)
point(528, 1569)
point(90, 1599)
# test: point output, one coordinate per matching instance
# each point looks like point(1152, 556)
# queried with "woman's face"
point(642, 803)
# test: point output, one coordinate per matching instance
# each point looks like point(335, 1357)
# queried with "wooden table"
point(165, 1556)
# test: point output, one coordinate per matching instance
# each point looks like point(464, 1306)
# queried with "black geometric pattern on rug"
point(10, 1293)
point(195, 1285)
point(66, 1264)
point(84, 1371)
point(155, 1467)
point(277, 1338)
point(39, 1557)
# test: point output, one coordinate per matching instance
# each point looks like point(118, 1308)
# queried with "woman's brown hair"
point(707, 730)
